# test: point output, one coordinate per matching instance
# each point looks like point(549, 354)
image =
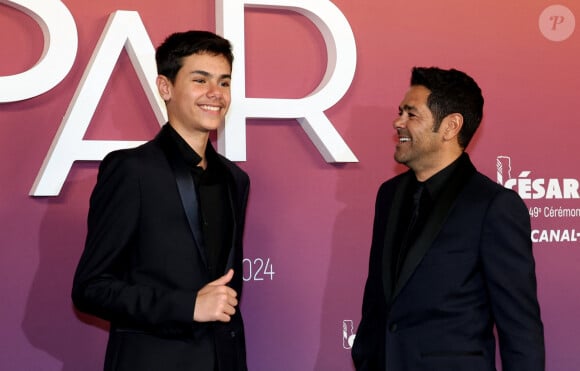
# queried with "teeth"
point(404, 139)
point(210, 108)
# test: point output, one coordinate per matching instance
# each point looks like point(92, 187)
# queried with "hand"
point(216, 301)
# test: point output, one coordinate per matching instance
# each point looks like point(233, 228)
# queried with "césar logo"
point(539, 188)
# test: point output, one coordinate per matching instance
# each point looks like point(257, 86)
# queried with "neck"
point(423, 175)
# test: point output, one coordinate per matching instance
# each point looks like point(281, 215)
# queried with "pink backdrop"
point(310, 219)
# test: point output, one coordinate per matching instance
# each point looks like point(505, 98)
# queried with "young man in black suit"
point(451, 253)
point(163, 254)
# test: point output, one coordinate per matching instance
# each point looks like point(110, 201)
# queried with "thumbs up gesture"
point(216, 301)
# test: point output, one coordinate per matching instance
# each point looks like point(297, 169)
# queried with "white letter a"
point(124, 29)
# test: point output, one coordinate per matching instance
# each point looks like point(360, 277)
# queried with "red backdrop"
point(308, 219)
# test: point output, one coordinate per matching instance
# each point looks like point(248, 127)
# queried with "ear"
point(451, 126)
point(164, 87)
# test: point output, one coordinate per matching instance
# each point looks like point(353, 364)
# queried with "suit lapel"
point(435, 221)
point(231, 187)
point(186, 188)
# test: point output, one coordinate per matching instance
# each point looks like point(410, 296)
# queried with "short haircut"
point(452, 91)
point(169, 55)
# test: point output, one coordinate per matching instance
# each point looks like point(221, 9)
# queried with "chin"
point(212, 126)
point(398, 158)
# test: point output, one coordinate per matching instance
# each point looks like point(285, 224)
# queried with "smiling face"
point(199, 98)
point(419, 147)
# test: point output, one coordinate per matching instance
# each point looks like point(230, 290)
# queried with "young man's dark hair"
point(176, 46)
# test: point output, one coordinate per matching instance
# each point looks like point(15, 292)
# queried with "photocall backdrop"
point(309, 219)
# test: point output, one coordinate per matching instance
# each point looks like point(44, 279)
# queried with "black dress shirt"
point(215, 213)
point(408, 229)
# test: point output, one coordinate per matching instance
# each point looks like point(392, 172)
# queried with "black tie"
point(416, 206)
point(410, 235)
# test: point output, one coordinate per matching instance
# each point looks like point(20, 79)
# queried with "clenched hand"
point(216, 301)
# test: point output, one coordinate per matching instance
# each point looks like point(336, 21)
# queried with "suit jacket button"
point(393, 327)
point(233, 334)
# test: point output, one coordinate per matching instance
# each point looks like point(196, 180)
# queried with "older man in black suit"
point(451, 253)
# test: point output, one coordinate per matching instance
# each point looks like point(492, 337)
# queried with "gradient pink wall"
point(311, 219)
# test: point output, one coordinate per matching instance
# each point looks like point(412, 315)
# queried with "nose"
point(398, 122)
point(214, 90)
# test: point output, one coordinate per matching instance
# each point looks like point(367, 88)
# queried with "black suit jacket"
point(469, 269)
point(143, 264)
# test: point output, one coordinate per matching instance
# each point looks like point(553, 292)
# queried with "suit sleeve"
point(100, 285)
point(509, 269)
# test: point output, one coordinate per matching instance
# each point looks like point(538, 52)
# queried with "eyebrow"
point(207, 74)
point(407, 108)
